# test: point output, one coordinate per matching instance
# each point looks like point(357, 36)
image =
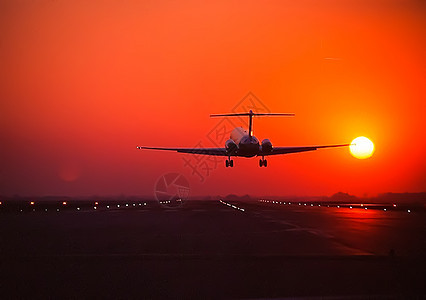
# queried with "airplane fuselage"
point(248, 145)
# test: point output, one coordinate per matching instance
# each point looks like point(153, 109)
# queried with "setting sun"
point(361, 147)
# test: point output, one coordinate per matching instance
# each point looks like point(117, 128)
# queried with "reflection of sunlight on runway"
point(364, 228)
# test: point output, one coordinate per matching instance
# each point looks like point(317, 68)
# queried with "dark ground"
point(207, 249)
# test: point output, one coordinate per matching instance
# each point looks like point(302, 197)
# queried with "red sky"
point(83, 82)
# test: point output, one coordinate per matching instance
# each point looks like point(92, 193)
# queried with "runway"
point(213, 249)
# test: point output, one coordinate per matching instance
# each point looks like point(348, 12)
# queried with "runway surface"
point(213, 249)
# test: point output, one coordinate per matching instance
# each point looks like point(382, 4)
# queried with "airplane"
point(243, 143)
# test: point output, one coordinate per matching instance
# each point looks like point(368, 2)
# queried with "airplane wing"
point(287, 150)
point(201, 151)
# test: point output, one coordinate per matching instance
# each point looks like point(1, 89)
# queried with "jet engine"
point(231, 147)
point(266, 146)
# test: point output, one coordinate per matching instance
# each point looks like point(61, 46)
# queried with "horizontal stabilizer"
point(253, 114)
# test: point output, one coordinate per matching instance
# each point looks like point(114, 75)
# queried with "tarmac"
point(211, 249)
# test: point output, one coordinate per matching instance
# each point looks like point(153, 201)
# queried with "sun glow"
point(361, 147)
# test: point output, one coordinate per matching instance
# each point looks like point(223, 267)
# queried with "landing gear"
point(229, 163)
point(263, 162)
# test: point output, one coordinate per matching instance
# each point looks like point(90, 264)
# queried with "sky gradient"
point(84, 82)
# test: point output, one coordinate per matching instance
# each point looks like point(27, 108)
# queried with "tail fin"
point(251, 114)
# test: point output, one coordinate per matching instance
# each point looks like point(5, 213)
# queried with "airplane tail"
point(251, 114)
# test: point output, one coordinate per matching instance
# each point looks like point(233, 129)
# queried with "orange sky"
point(84, 82)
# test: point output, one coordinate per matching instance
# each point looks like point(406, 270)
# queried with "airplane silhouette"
point(245, 144)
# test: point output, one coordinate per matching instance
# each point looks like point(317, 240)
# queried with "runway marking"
point(294, 227)
point(231, 205)
point(312, 231)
